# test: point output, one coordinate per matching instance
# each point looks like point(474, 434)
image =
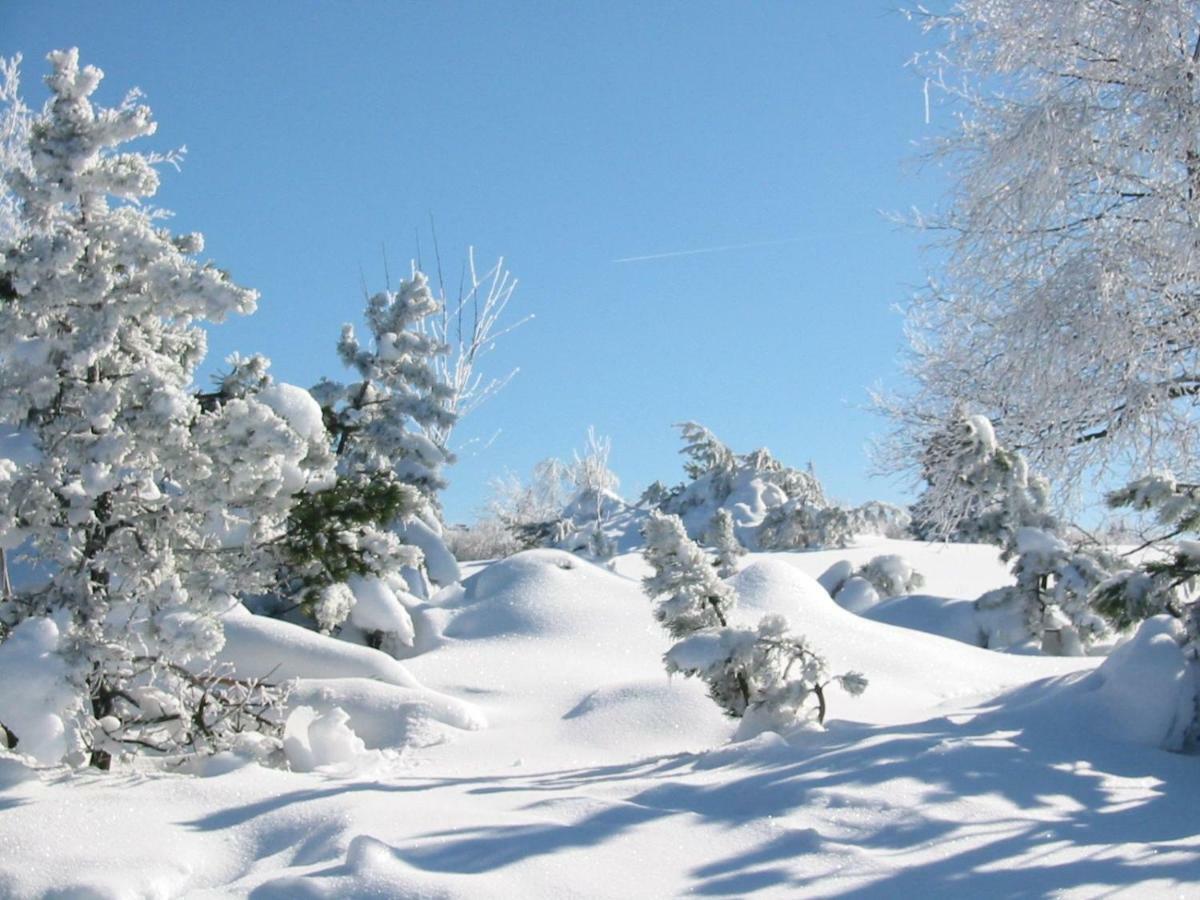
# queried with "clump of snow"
point(440, 563)
point(378, 608)
point(35, 693)
point(835, 576)
point(857, 595)
point(385, 715)
point(297, 407)
point(313, 740)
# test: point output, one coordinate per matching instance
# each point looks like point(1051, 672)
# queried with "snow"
point(439, 561)
point(537, 749)
point(28, 658)
point(857, 595)
point(297, 407)
point(377, 608)
point(260, 647)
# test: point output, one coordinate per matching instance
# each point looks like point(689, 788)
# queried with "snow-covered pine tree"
point(1166, 583)
point(376, 421)
point(979, 490)
point(976, 490)
point(690, 594)
point(362, 553)
point(763, 675)
point(119, 501)
point(707, 454)
point(724, 542)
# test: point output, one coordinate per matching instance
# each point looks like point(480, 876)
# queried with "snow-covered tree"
point(763, 675)
point(691, 595)
point(976, 489)
point(979, 490)
point(377, 422)
point(1051, 596)
point(724, 542)
point(1066, 309)
point(365, 552)
point(15, 121)
point(1167, 582)
point(142, 507)
point(778, 507)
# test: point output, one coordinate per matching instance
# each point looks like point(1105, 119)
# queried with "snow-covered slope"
point(960, 772)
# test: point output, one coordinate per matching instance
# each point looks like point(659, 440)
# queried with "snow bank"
point(260, 647)
point(1144, 693)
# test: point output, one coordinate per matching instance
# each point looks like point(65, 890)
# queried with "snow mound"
point(315, 740)
point(909, 672)
point(542, 593)
point(949, 618)
point(1141, 694)
point(260, 647)
point(659, 710)
point(857, 595)
point(384, 715)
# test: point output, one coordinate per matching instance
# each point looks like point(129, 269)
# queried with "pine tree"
point(98, 345)
point(721, 538)
point(979, 490)
point(691, 596)
point(376, 421)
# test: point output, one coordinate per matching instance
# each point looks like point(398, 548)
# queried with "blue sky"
point(564, 136)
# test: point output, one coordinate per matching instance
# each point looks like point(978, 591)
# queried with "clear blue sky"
point(564, 136)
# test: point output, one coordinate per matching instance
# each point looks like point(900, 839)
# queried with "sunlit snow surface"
point(538, 750)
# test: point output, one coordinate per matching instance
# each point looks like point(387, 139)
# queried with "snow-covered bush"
point(799, 525)
point(1051, 597)
point(127, 501)
point(891, 575)
point(565, 505)
point(764, 675)
point(1167, 584)
point(485, 538)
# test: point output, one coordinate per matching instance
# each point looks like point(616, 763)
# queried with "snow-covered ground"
point(538, 749)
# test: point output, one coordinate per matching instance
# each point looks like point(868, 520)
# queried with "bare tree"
point(1067, 310)
point(470, 326)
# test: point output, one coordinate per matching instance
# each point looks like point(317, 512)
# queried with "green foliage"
point(339, 532)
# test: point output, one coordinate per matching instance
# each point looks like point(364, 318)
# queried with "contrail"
point(721, 249)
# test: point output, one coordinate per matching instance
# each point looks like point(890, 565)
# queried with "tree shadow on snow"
point(855, 810)
point(863, 801)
